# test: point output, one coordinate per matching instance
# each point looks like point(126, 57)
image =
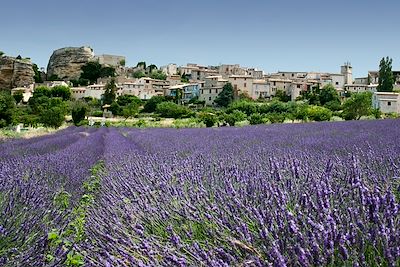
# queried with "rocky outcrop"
point(66, 62)
point(15, 72)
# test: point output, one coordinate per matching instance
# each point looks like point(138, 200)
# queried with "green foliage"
point(18, 96)
point(122, 62)
point(151, 104)
point(317, 113)
point(329, 98)
point(256, 118)
point(274, 106)
point(38, 76)
point(245, 106)
point(80, 82)
point(130, 110)
point(386, 79)
point(125, 100)
point(376, 113)
point(115, 109)
point(79, 111)
point(234, 117)
point(159, 75)
point(62, 200)
point(275, 117)
point(110, 92)
point(1, 53)
point(41, 91)
point(53, 117)
point(142, 65)
point(54, 77)
point(61, 91)
point(74, 259)
point(172, 110)
point(209, 119)
point(226, 96)
point(138, 74)
point(281, 95)
point(358, 105)
point(184, 78)
point(7, 109)
point(93, 70)
point(245, 96)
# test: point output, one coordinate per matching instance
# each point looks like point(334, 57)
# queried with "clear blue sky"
point(307, 35)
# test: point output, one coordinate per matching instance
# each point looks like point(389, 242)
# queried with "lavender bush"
point(316, 194)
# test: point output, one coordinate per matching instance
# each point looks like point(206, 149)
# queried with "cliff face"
point(66, 62)
point(15, 72)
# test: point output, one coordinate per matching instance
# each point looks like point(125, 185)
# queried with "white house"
point(386, 102)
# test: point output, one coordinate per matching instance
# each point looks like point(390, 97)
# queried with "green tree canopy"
point(225, 97)
point(358, 105)
point(172, 110)
point(130, 110)
point(152, 103)
point(93, 70)
point(79, 111)
point(18, 96)
point(125, 100)
point(386, 79)
point(38, 76)
point(61, 91)
point(282, 96)
point(53, 117)
point(159, 75)
point(7, 109)
point(110, 92)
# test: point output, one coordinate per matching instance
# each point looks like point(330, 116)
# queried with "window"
point(216, 91)
point(298, 86)
point(292, 74)
point(209, 98)
point(389, 103)
point(337, 83)
point(274, 83)
point(210, 91)
point(283, 74)
point(244, 84)
point(147, 81)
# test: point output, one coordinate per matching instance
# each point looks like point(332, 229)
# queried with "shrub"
point(97, 113)
point(235, 116)
point(244, 106)
point(274, 106)
point(317, 113)
point(151, 104)
point(172, 110)
point(276, 117)
point(79, 111)
point(256, 118)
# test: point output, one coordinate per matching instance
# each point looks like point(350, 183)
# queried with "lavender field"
point(315, 194)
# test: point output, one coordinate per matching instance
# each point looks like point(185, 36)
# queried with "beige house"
point(231, 69)
point(241, 84)
point(212, 87)
point(145, 88)
point(261, 89)
point(78, 92)
point(97, 90)
point(359, 88)
point(27, 92)
point(386, 102)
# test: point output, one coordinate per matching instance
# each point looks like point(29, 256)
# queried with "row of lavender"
point(34, 174)
point(281, 195)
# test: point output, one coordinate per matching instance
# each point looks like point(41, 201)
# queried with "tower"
point(347, 71)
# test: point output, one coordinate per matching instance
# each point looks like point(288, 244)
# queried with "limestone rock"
point(15, 72)
point(66, 62)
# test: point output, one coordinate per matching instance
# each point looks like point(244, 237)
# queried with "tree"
point(358, 105)
point(53, 77)
point(1, 53)
point(38, 76)
point(209, 119)
point(61, 91)
point(122, 62)
point(172, 110)
point(130, 110)
point(141, 65)
point(385, 79)
point(93, 70)
point(328, 94)
point(18, 96)
point(234, 117)
point(151, 68)
point(158, 75)
point(152, 103)
point(282, 96)
point(115, 109)
point(243, 105)
point(79, 111)
point(125, 100)
point(317, 113)
point(7, 109)
point(53, 117)
point(226, 96)
point(138, 74)
point(109, 94)
point(256, 118)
